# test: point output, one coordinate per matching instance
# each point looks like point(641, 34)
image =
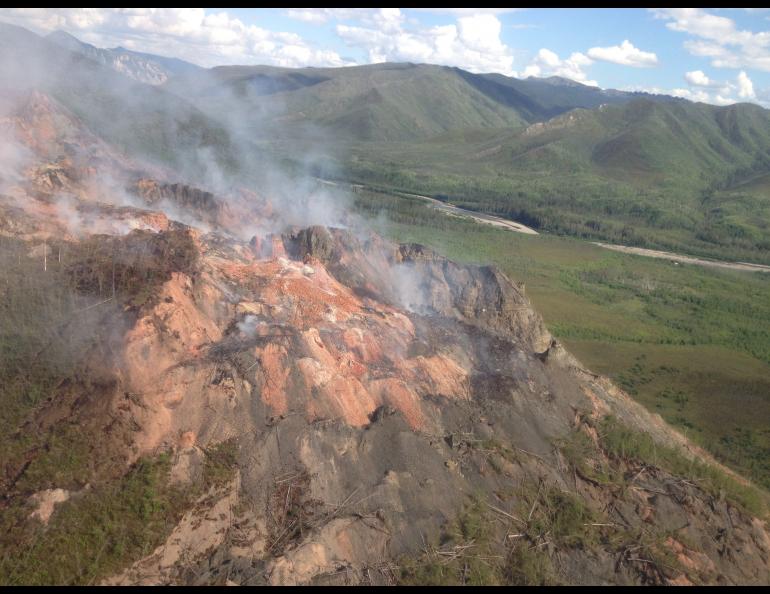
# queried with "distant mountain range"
point(374, 102)
point(390, 101)
point(146, 68)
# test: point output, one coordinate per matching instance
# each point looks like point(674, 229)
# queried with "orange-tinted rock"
point(396, 393)
point(275, 369)
point(438, 375)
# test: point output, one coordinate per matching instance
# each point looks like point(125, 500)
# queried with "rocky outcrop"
point(182, 195)
point(371, 413)
point(414, 277)
point(481, 295)
point(45, 502)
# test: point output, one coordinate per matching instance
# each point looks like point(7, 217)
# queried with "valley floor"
point(507, 224)
point(684, 259)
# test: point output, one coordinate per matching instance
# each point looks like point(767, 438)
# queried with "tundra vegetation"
point(521, 544)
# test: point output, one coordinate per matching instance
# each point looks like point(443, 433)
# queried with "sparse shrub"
point(529, 566)
point(220, 463)
point(95, 533)
point(476, 548)
point(470, 553)
point(622, 442)
point(582, 454)
point(561, 515)
point(130, 268)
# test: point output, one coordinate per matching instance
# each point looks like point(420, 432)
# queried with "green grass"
point(612, 460)
point(714, 395)
point(105, 527)
point(474, 552)
point(690, 343)
point(605, 461)
point(623, 442)
point(561, 515)
point(475, 549)
point(94, 534)
point(486, 545)
point(58, 326)
point(220, 463)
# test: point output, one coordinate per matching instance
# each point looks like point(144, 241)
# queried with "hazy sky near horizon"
point(715, 55)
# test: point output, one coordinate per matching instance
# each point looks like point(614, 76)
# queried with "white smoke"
point(263, 194)
point(14, 157)
point(249, 325)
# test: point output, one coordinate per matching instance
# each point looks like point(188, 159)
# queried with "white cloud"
point(467, 11)
point(188, 33)
point(698, 78)
point(698, 95)
point(472, 43)
point(707, 90)
point(322, 15)
point(625, 54)
point(693, 95)
point(719, 38)
point(717, 99)
point(720, 93)
point(548, 63)
point(699, 22)
point(745, 86)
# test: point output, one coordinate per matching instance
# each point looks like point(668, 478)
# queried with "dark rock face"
point(317, 242)
point(481, 295)
point(181, 195)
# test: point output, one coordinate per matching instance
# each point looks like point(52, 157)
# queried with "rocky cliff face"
point(371, 391)
point(149, 69)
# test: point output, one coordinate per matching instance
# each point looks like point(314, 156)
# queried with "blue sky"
point(715, 55)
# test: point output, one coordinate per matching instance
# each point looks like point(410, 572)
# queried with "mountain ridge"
point(142, 67)
point(497, 99)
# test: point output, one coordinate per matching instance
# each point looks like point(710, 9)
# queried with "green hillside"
point(374, 103)
point(674, 175)
point(382, 102)
point(630, 168)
